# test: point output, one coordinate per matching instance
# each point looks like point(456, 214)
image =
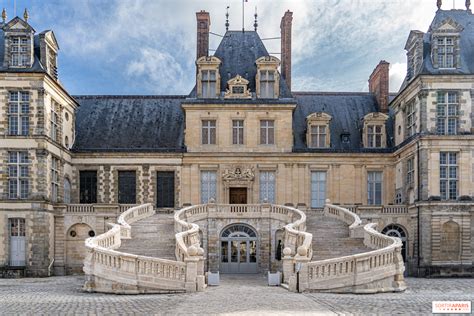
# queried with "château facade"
point(72, 164)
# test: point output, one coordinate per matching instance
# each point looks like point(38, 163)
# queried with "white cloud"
point(397, 75)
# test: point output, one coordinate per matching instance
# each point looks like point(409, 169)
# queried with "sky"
point(148, 47)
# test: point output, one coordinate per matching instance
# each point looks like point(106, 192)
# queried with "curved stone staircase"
point(331, 237)
point(152, 237)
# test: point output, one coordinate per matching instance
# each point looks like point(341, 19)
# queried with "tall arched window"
point(450, 241)
point(394, 230)
point(67, 191)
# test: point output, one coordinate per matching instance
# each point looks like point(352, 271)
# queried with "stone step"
point(153, 237)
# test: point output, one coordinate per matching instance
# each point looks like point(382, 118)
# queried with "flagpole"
point(243, 14)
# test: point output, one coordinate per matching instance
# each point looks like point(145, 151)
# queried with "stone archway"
point(395, 230)
point(75, 247)
point(238, 249)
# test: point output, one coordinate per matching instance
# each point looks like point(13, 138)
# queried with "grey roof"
point(238, 52)
point(347, 110)
point(129, 123)
point(36, 67)
point(466, 20)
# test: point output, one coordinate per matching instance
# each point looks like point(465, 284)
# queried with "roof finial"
point(438, 4)
point(25, 15)
point(468, 4)
point(255, 25)
point(227, 19)
point(4, 15)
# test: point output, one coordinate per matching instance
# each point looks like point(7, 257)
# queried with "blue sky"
point(148, 46)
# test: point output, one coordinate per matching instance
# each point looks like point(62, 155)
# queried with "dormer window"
point(374, 130)
point(238, 88)
point(267, 79)
point(208, 77)
point(208, 83)
point(445, 52)
point(19, 51)
point(318, 135)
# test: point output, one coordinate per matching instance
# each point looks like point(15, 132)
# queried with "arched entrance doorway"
point(238, 246)
point(394, 230)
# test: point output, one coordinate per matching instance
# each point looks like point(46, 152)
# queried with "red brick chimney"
point(285, 27)
point(203, 24)
point(379, 83)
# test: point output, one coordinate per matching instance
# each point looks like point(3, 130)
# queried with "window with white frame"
point(448, 175)
point(445, 52)
point(18, 174)
point(318, 136)
point(19, 51)
point(267, 186)
point(55, 163)
point(374, 187)
point(54, 119)
point(208, 83)
point(318, 188)
point(267, 132)
point(18, 113)
point(208, 186)
point(410, 119)
point(447, 113)
point(267, 84)
point(67, 191)
point(208, 132)
point(410, 171)
point(238, 132)
point(374, 136)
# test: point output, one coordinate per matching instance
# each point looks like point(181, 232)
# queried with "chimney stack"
point(203, 24)
point(285, 28)
point(379, 85)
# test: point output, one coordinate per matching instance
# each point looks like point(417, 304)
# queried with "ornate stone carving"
point(238, 173)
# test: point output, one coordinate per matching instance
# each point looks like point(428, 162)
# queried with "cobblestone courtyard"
point(236, 295)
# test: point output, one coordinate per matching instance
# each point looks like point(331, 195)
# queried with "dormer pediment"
point(208, 60)
point(50, 39)
point(238, 88)
point(413, 38)
point(268, 60)
point(447, 26)
point(376, 117)
point(18, 25)
point(318, 116)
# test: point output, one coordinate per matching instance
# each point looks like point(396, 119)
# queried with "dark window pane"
point(88, 187)
point(127, 187)
point(165, 189)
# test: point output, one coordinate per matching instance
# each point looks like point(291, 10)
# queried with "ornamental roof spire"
point(255, 25)
point(439, 3)
point(26, 15)
point(4, 15)
point(468, 4)
point(227, 19)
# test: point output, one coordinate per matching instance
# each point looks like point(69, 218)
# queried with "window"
point(67, 191)
point(18, 113)
point(410, 171)
point(410, 119)
point(398, 198)
point(447, 113)
point(238, 90)
point(267, 132)
point(448, 174)
point(88, 187)
point(165, 189)
point(208, 186)
point(208, 82)
point(374, 136)
point(55, 163)
point(318, 136)
point(374, 187)
point(17, 245)
point(237, 132)
point(127, 187)
point(445, 52)
point(54, 122)
point(18, 175)
point(267, 84)
point(267, 186)
point(208, 132)
point(19, 51)
point(318, 188)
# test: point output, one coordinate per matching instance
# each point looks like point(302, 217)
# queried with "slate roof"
point(129, 123)
point(347, 110)
point(466, 20)
point(238, 52)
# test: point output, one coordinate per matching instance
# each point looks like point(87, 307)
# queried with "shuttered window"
point(127, 190)
point(88, 187)
point(165, 189)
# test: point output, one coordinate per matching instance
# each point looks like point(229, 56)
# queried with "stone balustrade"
point(110, 271)
point(379, 270)
point(93, 208)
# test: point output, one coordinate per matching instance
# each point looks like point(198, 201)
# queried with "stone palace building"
point(70, 165)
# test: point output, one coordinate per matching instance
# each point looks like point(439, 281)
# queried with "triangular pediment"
point(447, 26)
point(413, 38)
point(238, 80)
point(17, 24)
point(51, 39)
